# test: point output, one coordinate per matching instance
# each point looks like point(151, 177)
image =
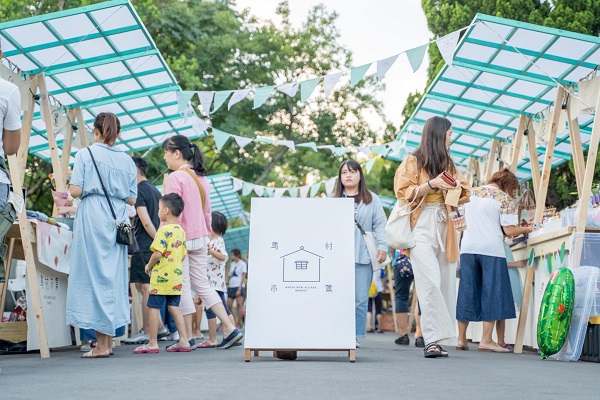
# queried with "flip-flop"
point(465, 347)
point(144, 349)
point(175, 348)
point(206, 345)
point(495, 349)
point(90, 354)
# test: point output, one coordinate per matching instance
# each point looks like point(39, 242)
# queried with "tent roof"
point(100, 58)
point(503, 69)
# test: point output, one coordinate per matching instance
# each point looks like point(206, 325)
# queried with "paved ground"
point(383, 370)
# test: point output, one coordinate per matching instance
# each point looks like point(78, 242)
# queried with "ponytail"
point(109, 127)
point(189, 151)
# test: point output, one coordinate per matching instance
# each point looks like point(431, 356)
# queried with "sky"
point(372, 30)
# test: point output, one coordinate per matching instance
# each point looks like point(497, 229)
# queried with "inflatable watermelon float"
point(556, 311)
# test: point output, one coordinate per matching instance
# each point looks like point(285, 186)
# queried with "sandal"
point(144, 349)
point(436, 351)
point(495, 348)
point(90, 354)
point(465, 347)
point(176, 348)
point(206, 345)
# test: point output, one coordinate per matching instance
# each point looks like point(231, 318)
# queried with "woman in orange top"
point(435, 254)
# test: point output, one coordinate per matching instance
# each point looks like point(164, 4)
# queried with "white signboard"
point(301, 274)
point(52, 286)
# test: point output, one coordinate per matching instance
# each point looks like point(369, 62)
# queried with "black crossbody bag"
point(124, 230)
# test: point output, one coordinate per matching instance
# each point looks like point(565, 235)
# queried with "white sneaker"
point(173, 337)
point(162, 332)
point(87, 347)
point(140, 338)
point(357, 343)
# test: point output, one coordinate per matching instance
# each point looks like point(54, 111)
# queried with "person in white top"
point(484, 292)
point(237, 276)
point(10, 129)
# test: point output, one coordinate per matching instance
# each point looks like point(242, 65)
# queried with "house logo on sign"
point(301, 266)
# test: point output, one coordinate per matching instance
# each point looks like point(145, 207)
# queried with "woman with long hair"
point(188, 180)
point(484, 292)
point(424, 178)
point(369, 214)
point(97, 295)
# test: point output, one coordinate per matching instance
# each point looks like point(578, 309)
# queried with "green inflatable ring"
point(556, 311)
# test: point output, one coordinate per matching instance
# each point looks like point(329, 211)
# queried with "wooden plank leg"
point(256, 353)
point(247, 355)
point(524, 310)
point(352, 355)
point(7, 265)
point(137, 310)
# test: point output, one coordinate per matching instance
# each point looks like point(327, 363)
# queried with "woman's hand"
point(381, 256)
point(439, 183)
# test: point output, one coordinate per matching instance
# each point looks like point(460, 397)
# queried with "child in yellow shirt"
point(165, 270)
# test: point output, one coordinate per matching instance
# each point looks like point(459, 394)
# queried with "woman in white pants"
point(434, 257)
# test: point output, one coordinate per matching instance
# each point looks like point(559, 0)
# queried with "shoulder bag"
point(397, 230)
point(124, 230)
point(371, 242)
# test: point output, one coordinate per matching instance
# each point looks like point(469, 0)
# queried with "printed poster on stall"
point(301, 274)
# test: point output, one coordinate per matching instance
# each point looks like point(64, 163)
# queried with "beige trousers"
point(435, 277)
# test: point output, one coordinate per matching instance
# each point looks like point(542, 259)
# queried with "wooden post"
point(534, 164)
point(67, 144)
point(17, 165)
point(577, 149)
point(518, 143)
point(47, 117)
point(539, 213)
point(7, 268)
point(492, 160)
point(473, 168)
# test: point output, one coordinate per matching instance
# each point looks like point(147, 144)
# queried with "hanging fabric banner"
point(328, 147)
point(329, 83)
point(384, 65)
point(358, 73)
point(264, 140)
point(415, 56)
point(220, 138)
point(340, 151)
point(293, 192)
point(242, 141)
point(304, 191)
point(220, 98)
point(206, 99)
point(330, 185)
point(199, 125)
point(238, 184)
point(307, 88)
point(314, 189)
point(447, 45)
point(310, 145)
point(247, 188)
point(238, 95)
point(183, 101)
point(365, 150)
point(261, 95)
point(370, 164)
point(259, 190)
point(289, 88)
point(288, 143)
point(382, 149)
point(270, 192)
point(279, 192)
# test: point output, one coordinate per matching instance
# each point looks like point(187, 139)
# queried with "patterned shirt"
point(216, 268)
point(166, 276)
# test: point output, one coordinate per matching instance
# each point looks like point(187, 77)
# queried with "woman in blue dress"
point(97, 295)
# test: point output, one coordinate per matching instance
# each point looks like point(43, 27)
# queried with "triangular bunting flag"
point(328, 147)
point(304, 191)
point(357, 73)
point(330, 185)
point(199, 125)
point(247, 188)
point(238, 184)
point(314, 189)
point(206, 99)
point(307, 88)
point(447, 46)
point(365, 150)
point(259, 190)
point(310, 145)
point(261, 94)
point(370, 164)
point(280, 192)
point(415, 56)
point(264, 140)
point(340, 151)
point(242, 141)
point(220, 98)
point(289, 88)
point(183, 101)
point(384, 65)
point(238, 95)
point(220, 138)
point(287, 143)
point(329, 83)
point(380, 149)
point(293, 192)
point(269, 192)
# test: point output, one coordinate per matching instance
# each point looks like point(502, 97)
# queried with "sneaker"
point(163, 332)
point(172, 336)
point(140, 338)
point(230, 340)
point(192, 343)
point(87, 347)
point(403, 340)
point(357, 343)
point(420, 342)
